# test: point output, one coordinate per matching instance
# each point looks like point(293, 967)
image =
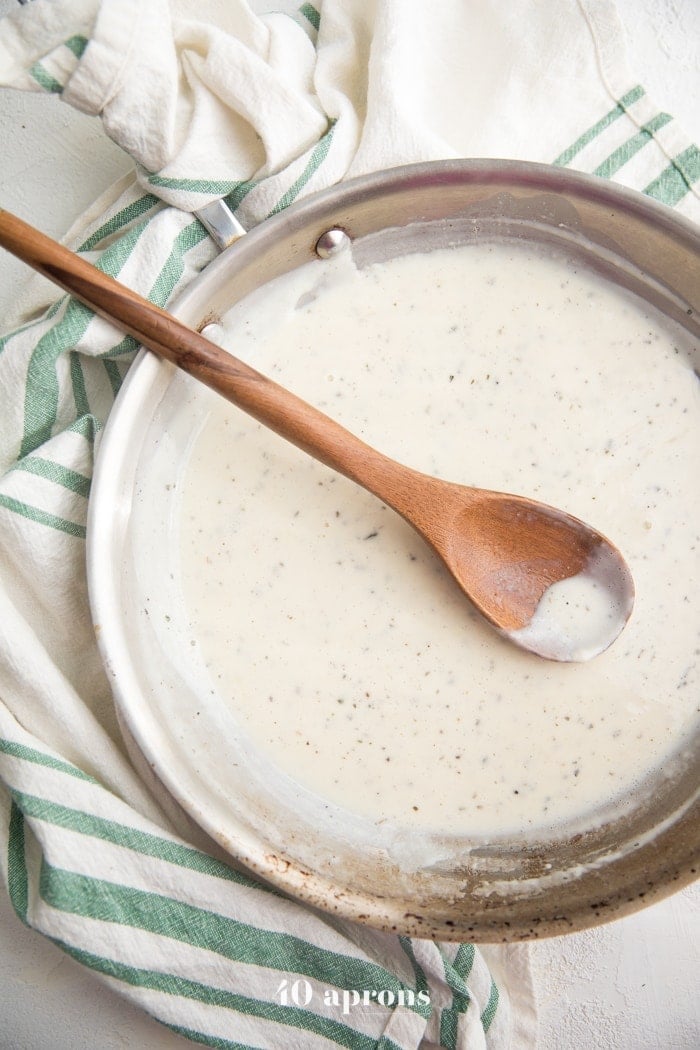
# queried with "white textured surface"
point(630, 985)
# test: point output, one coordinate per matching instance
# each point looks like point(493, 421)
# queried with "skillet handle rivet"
point(332, 242)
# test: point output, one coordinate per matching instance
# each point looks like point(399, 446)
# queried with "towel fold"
point(213, 99)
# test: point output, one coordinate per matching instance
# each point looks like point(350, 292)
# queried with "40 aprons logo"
point(301, 993)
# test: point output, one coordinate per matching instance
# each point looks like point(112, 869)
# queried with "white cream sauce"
point(579, 617)
point(342, 646)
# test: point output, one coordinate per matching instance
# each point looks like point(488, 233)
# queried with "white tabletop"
point(630, 985)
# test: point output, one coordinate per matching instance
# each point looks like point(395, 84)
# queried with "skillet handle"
point(220, 223)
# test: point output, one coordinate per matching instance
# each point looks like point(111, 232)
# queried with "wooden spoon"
point(508, 554)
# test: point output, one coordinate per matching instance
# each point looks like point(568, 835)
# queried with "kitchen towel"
point(219, 98)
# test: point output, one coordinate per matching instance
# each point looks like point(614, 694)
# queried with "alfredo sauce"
point(329, 629)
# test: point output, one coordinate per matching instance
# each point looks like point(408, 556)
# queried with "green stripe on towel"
point(628, 149)
point(145, 843)
point(296, 1018)
point(614, 114)
point(42, 517)
point(677, 179)
point(17, 880)
point(60, 475)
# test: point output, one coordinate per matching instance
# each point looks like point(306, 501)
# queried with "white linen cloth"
point(215, 98)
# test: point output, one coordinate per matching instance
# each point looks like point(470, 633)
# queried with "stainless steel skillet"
point(482, 891)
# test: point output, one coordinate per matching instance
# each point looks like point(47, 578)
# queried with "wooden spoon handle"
point(158, 330)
